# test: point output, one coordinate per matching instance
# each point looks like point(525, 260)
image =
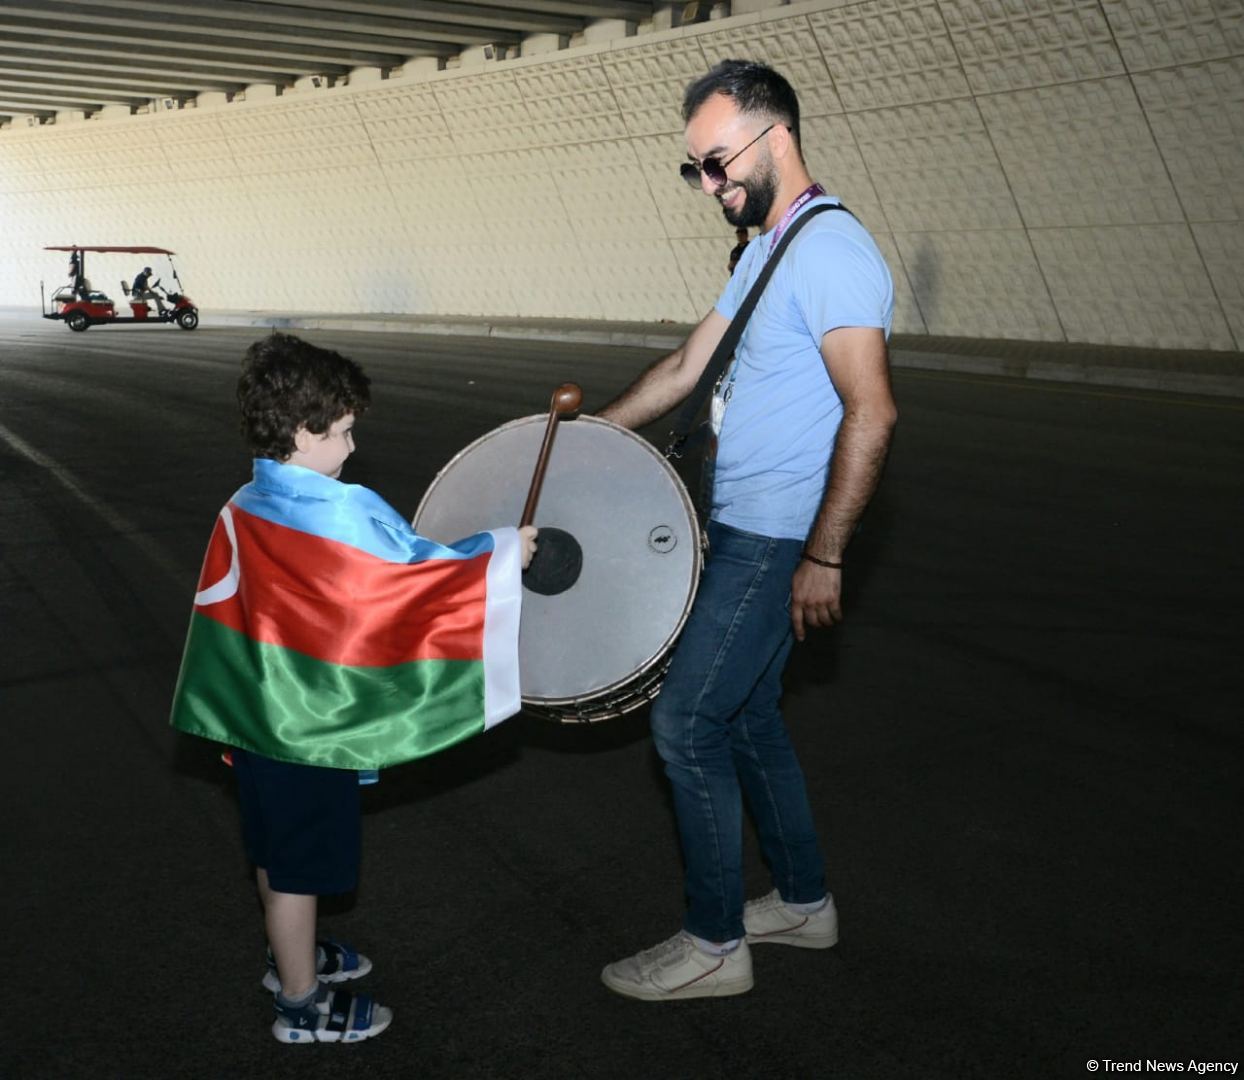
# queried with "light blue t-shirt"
point(782, 411)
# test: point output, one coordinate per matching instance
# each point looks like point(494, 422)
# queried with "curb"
point(1079, 374)
point(979, 360)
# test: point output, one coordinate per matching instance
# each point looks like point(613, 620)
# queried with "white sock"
point(715, 949)
point(809, 909)
point(309, 998)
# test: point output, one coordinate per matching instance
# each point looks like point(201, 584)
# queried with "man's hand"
point(527, 534)
point(815, 597)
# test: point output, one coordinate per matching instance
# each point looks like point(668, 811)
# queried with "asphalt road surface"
point(1023, 747)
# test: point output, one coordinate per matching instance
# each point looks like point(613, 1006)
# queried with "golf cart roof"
point(127, 250)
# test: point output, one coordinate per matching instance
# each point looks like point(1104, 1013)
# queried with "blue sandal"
point(334, 963)
point(335, 1016)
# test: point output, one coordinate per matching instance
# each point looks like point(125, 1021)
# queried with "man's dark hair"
point(755, 89)
point(286, 384)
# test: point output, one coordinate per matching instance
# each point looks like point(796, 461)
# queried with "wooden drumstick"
point(566, 399)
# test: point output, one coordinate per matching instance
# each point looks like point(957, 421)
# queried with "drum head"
point(633, 523)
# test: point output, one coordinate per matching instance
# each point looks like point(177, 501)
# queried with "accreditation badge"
point(721, 398)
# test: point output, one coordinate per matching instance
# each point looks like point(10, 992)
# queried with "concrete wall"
point(1050, 169)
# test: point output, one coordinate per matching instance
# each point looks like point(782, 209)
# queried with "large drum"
point(617, 567)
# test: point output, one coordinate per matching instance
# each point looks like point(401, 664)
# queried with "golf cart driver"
point(142, 290)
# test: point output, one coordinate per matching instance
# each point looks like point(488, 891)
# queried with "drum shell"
point(600, 648)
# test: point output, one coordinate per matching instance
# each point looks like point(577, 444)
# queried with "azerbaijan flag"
point(326, 631)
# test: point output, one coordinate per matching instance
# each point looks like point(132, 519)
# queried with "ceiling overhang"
point(76, 56)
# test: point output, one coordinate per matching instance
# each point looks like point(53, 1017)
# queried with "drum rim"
point(697, 545)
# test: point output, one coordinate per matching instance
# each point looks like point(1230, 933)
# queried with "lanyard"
point(791, 211)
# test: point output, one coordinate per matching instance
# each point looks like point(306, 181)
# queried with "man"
point(803, 417)
point(736, 252)
point(81, 287)
point(142, 290)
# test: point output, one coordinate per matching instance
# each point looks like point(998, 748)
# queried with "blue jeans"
point(718, 728)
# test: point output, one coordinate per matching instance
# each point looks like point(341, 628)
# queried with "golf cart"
point(81, 306)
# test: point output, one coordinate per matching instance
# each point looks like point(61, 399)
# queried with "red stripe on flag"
point(336, 603)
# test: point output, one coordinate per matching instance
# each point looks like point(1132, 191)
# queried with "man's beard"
point(761, 188)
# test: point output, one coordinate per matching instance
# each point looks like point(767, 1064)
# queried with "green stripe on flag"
point(285, 705)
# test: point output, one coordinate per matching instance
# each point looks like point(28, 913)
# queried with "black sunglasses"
point(712, 168)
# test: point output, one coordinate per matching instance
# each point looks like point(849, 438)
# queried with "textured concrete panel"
point(296, 141)
point(789, 47)
point(84, 159)
point(434, 200)
point(485, 113)
point(604, 191)
point(888, 52)
point(461, 277)
point(907, 316)
point(639, 277)
point(1013, 44)
point(1197, 117)
point(517, 196)
point(549, 185)
point(551, 278)
point(202, 158)
point(1222, 248)
point(1080, 154)
point(406, 124)
point(1132, 286)
point(704, 268)
point(979, 284)
point(571, 102)
point(21, 169)
point(684, 211)
point(648, 82)
point(1163, 33)
point(934, 167)
point(833, 157)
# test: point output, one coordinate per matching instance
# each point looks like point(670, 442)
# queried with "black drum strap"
point(730, 339)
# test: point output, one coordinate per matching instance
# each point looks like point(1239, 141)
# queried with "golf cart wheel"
point(77, 320)
point(188, 318)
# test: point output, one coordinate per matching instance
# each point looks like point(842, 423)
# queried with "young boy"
point(328, 638)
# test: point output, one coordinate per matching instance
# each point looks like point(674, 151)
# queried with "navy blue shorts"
point(300, 823)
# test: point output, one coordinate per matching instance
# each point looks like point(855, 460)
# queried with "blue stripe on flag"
point(350, 514)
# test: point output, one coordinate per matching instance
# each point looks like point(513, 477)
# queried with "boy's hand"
point(527, 534)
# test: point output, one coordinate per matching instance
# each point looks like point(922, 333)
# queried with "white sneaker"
point(771, 919)
point(677, 969)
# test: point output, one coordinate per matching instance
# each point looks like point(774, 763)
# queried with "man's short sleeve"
point(839, 281)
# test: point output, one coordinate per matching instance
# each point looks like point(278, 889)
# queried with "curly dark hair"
point(286, 384)
point(755, 88)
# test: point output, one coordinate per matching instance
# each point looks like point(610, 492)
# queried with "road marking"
point(107, 514)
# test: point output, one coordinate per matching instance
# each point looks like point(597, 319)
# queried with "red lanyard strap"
point(808, 193)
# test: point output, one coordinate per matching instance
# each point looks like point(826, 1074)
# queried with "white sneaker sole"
point(793, 937)
point(805, 935)
point(701, 988)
